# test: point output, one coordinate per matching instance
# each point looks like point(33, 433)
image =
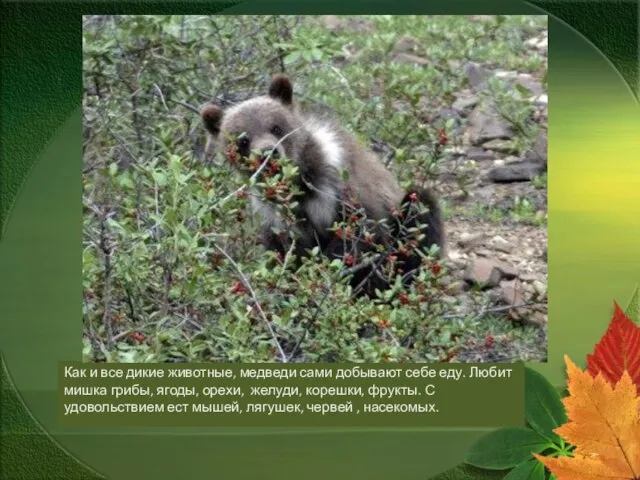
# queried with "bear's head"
point(267, 125)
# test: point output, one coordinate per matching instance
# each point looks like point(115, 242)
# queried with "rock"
point(449, 114)
point(449, 300)
point(524, 82)
point(500, 244)
point(406, 44)
point(485, 124)
point(539, 43)
point(337, 25)
point(476, 153)
point(401, 106)
point(505, 74)
point(331, 22)
point(484, 272)
point(515, 172)
point(464, 103)
point(508, 272)
point(528, 277)
point(467, 239)
point(511, 295)
point(498, 145)
point(539, 151)
point(540, 288)
point(483, 252)
point(540, 100)
point(477, 75)
point(483, 18)
point(457, 258)
point(410, 59)
point(531, 84)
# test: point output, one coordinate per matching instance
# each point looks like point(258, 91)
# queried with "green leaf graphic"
point(27, 452)
point(544, 410)
point(465, 471)
point(506, 448)
point(529, 470)
point(633, 309)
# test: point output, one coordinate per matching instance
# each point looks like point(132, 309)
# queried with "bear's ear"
point(281, 89)
point(212, 117)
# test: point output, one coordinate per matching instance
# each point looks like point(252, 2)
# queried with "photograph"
point(314, 189)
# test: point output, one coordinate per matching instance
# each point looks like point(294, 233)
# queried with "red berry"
point(384, 323)
point(274, 167)
point(413, 197)
point(442, 137)
point(435, 268)
point(403, 298)
point(137, 337)
point(489, 341)
point(232, 156)
point(270, 192)
point(349, 260)
point(348, 233)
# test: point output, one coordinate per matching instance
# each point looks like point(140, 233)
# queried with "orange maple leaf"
point(604, 426)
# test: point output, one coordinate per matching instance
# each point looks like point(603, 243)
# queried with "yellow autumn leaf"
point(603, 425)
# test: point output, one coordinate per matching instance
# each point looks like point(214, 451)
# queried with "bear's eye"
point(277, 131)
point(243, 143)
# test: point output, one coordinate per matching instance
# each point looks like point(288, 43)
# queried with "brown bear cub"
point(393, 223)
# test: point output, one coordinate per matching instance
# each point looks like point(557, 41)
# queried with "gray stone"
point(515, 172)
point(485, 124)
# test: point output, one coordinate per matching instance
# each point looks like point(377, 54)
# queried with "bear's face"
point(265, 125)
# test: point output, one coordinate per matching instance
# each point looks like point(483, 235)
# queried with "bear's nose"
point(271, 151)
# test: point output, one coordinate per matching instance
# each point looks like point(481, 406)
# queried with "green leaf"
point(529, 470)
point(469, 472)
point(160, 178)
point(544, 410)
point(633, 309)
point(524, 91)
point(506, 448)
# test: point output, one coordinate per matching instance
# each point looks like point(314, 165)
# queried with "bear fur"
point(273, 126)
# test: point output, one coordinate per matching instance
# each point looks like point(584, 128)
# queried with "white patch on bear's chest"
point(329, 144)
point(321, 208)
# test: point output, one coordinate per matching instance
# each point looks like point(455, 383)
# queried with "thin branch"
point(486, 310)
point(309, 323)
point(245, 282)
